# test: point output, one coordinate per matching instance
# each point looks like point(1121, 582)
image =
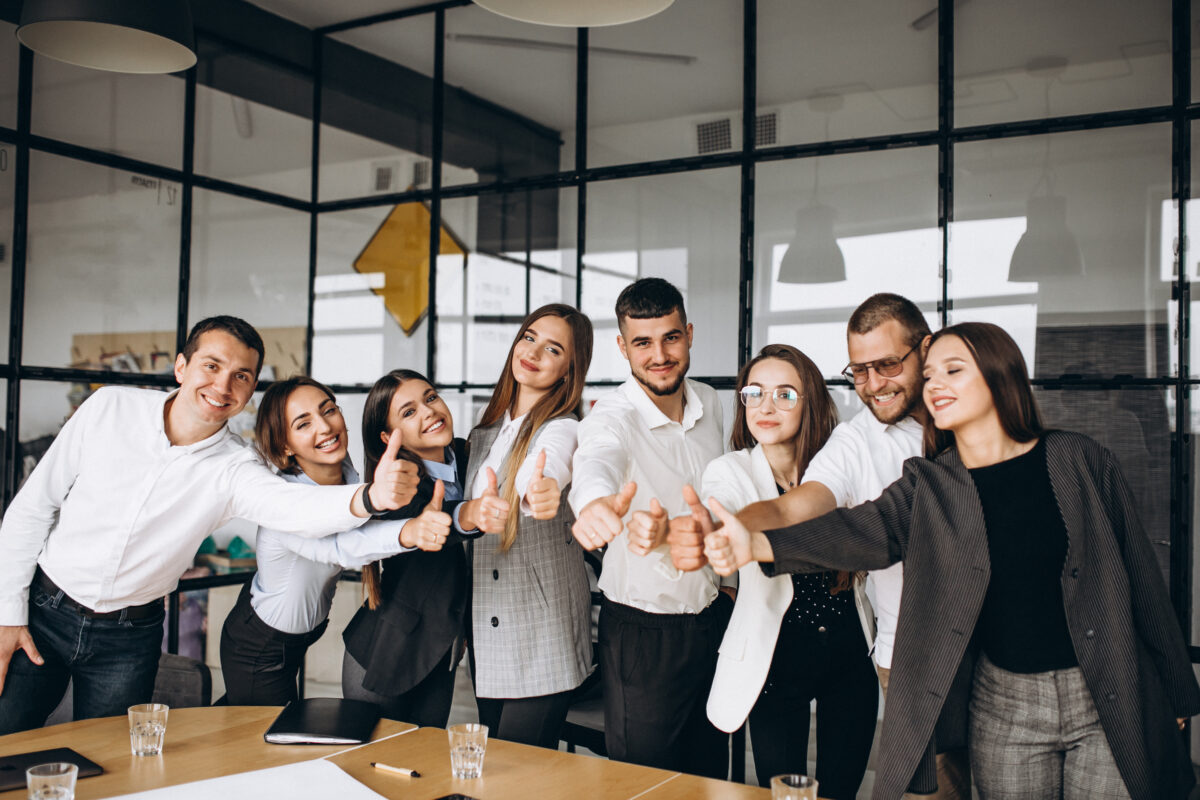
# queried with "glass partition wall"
point(399, 191)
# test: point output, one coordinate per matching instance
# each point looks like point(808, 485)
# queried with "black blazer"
point(423, 608)
point(1123, 628)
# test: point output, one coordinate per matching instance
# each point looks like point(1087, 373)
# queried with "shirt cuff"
point(581, 497)
point(457, 525)
point(14, 612)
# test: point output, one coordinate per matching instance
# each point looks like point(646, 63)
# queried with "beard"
point(893, 414)
point(662, 389)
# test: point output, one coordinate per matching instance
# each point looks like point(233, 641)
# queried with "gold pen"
point(405, 771)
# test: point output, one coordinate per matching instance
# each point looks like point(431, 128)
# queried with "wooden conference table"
point(216, 741)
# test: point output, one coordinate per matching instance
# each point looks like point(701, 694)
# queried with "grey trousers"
point(1037, 737)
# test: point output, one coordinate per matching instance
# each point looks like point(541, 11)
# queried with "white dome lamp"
point(138, 36)
point(575, 13)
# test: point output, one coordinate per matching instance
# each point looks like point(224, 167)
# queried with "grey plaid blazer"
point(1125, 633)
point(530, 606)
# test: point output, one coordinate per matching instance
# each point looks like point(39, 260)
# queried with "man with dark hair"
point(659, 628)
point(114, 512)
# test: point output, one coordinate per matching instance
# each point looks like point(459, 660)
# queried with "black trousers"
point(529, 720)
point(260, 663)
point(832, 667)
point(427, 704)
point(656, 670)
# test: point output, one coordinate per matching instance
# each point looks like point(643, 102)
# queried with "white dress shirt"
point(297, 576)
point(861, 459)
point(114, 512)
point(627, 438)
point(557, 439)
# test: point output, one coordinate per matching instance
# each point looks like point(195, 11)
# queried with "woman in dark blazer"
point(1035, 625)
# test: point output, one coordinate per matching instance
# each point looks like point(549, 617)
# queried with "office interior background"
point(778, 160)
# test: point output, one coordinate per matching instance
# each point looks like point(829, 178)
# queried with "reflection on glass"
point(9, 61)
point(830, 71)
point(103, 253)
point(140, 116)
point(1081, 283)
point(359, 332)
point(683, 228)
point(7, 201)
point(832, 231)
point(250, 259)
point(667, 86)
point(1057, 59)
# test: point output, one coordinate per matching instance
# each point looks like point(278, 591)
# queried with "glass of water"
point(467, 745)
point(52, 781)
point(147, 727)
point(793, 787)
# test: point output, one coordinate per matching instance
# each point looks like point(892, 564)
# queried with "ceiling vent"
point(766, 129)
point(421, 174)
point(384, 177)
point(715, 136)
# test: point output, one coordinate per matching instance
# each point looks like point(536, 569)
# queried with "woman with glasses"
point(1035, 614)
point(794, 638)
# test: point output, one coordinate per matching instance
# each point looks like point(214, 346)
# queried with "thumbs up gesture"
point(686, 534)
point(428, 531)
point(543, 493)
point(488, 512)
point(395, 479)
point(601, 520)
point(647, 529)
point(730, 548)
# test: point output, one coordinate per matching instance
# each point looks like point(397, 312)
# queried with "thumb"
point(656, 508)
point(691, 498)
point(393, 446)
point(625, 498)
point(730, 520)
point(492, 488)
point(439, 492)
point(539, 466)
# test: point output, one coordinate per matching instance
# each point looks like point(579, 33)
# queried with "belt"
point(42, 581)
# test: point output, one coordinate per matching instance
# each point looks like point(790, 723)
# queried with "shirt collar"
point(349, 475)
point(444, 472)
point(160, 424)
point(908, 424)
point(693, 409)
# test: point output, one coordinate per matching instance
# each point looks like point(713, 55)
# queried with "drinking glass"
point(147, 727)
point(54, 781)
point(793, 787)
point(467, 745)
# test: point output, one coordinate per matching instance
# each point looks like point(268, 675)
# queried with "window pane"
point(103, 253)
point(377, 109)
point(832, 231)
point(370, 302)
point(1058, 238)
point(667, 86)
point(821, 75)
point(250, 260)
point(1055, 59)
point(9, 64)
point(253, 122)
point(683, 228)
point(140, 116)
point(1190, 254)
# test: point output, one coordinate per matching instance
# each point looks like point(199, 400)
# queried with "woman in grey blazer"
point(1036, 626)
point(530, 633)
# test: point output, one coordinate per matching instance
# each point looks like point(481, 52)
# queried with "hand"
point(488, 512)
point(600, 521)
point(686, 534)
point(543, 493)
point(647, 529)
point(396, 479)
point(428, 531)
point(12, 639)
point(1181, 722)
point(728, 549)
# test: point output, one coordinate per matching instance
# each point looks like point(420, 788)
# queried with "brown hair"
point(236, 327)
point(271, 424)
point(1003, 367)
point(879, 308)
point(565, 397)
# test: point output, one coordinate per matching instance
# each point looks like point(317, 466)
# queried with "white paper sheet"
point(305, 780)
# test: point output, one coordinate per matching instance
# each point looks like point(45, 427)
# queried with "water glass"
point(147, 727)
point(467, 745)
point(52, 781)
point(793, 787)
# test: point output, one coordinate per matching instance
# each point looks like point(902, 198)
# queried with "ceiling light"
point(141, 36)
point(576, 13)
point(814, 255)
point(1047, 248)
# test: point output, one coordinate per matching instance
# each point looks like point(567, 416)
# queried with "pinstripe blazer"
point(530, 606)
point(1122, 626)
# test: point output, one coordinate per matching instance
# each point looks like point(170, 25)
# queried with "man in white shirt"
point(659, 628)
point(114, 512)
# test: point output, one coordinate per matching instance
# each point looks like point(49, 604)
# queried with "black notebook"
point(324, 720)
point(12, 768)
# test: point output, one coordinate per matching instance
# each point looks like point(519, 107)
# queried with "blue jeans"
point(113, 664)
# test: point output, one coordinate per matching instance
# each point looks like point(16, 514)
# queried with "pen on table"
point(411, 773)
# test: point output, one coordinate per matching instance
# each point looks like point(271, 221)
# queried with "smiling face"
point(658, 351)
point(890, 399)
point(422, 418)
point(216, 382)
point(956, 393)
point(768, 423)
point(316, 432)
point(542, 356)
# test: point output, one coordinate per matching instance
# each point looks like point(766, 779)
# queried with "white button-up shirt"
point(861, 459)
point(557, 439)
point(627, 438)
point(114, 512)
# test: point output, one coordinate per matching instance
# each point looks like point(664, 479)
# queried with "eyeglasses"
point(785, 398)
point(888, 367)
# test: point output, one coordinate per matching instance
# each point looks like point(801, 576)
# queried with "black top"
point(1022, 626)
point(814, 607)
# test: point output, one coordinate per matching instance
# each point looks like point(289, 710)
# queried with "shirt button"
point(1110, 696)
point(821, 629)
point(495, 574)
point(1091, 634)
point(1075, 572)
point(495, 622)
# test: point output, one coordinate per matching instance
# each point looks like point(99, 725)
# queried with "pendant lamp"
point(814, 255)
point(139, 36)
point(575, 13)
point(1047, 248)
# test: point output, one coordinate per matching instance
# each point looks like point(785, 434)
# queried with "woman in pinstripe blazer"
point(1081, 598)
point(530, 631)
